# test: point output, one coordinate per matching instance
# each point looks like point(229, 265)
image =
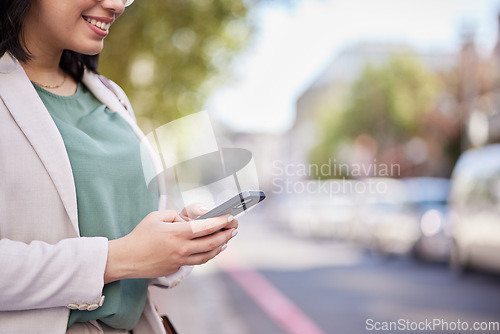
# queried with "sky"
point(294, 44)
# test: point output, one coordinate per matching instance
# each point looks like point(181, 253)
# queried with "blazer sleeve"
point(41, 275)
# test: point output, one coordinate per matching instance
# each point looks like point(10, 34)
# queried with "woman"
point(77, 254)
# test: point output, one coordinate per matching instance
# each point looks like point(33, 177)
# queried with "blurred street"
point(374, 130)
point(337, 286)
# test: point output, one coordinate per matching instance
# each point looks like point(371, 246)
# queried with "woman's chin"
point(90, 50)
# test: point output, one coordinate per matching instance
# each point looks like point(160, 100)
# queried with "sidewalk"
point(199, 305)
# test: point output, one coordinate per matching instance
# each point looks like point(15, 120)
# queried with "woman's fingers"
point(211, 242)
point(202, 227)
point(204, 257)
point(232, 224)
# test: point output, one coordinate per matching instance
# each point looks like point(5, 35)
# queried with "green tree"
point(169, 54)
point(387, 103)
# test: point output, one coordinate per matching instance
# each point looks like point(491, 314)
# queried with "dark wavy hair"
point(12, 17)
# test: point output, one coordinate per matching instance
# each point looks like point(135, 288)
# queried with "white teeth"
point(99, 24)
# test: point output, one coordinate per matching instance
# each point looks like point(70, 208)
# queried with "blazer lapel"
point(106, 96)
point(34, 120)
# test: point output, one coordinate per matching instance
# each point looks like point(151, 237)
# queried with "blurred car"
point(429, 198)
point(405, 216)
point(475, 210)
point(384, 223)
point(316, 209)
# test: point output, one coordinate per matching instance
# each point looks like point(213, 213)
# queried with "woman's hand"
point(162, 242)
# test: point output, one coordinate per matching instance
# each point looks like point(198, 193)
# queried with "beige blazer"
point(44, 264)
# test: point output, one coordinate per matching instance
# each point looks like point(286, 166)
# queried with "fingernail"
point(234, 233)
point(230, 219)
point(223, 247)
point(203, 209)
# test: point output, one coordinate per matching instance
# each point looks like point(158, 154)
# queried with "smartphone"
point(236, 205)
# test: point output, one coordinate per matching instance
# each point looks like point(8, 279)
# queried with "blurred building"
point(330, 86)
point(266, 149)
point(482, 104)
point(465, 114)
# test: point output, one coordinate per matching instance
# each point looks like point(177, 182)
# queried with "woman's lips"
point(99, 25)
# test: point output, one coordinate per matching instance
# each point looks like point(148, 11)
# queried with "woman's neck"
point(46, 72)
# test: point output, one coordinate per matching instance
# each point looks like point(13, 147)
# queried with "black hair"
point(12, 17)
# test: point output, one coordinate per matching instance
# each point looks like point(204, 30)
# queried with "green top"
point(112, 195)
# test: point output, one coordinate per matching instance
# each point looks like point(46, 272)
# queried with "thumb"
point(193, 211)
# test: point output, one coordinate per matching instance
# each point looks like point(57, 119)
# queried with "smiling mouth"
point(101, 25)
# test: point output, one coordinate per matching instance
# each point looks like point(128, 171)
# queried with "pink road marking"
point(277, 306)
